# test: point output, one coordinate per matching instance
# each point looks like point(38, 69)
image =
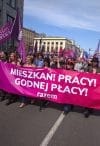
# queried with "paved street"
point(29, 126)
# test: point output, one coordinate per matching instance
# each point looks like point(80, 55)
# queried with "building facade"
point(8, 9)
point(28, 36)
point(52, 43)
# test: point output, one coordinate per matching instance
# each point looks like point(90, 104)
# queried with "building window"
point(12, 3)
point(56, 43)
point(61, 43)
point(48, 43)
point(8, 2)
point(9, 18)
point(52, 43)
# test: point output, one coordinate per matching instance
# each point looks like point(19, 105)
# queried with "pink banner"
point(55, 85)
point(5, 32)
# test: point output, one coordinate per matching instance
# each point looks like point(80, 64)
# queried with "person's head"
point(79, 60)
point(69, 60)
point(62, 63)
point(40, 56)
point(70, 66)
point(12, 57)
point(95, 62)
point(46, 62)
point(29, 60)
point(3, 56)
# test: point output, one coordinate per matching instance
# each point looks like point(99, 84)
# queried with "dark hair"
point(47, 60)
point(95, 59)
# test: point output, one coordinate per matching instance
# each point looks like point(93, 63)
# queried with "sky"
point(78, 20)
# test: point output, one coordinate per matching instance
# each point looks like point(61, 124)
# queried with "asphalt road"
point(28, 126)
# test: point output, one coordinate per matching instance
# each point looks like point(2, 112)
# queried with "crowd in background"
point(40, 60)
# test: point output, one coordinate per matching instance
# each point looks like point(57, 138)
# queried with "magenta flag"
point(68, 53)
point(5, 32)
point(21, 50)
point(56, 85)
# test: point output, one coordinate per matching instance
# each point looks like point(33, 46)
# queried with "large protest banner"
point(56, 85)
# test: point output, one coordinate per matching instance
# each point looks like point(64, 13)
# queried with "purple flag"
point(10, 30)
point(5, 32)
point(17, 34)
point(21, 50)
point(16, 28)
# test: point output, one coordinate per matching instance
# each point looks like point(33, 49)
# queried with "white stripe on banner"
point(52, 131)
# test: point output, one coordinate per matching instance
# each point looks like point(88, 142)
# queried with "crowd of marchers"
point(39, 60)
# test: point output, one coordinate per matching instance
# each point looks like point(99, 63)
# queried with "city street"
point(49, 50)
point(30, 127)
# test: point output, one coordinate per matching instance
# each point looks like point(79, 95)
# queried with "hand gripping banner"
point(56, 85)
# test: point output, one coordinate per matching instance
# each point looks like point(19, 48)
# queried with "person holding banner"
point(3, 58)
point(95, 69)
point(69, 66)
point(39, 61)
point(79, 65)
point(53, 62)
point(13, 60)
point(61, 65)
point(44, 104)
point(28, 63)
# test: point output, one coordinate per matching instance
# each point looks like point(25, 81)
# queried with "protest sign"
point(56, 85)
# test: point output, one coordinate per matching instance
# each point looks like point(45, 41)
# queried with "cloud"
point(66, 13)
